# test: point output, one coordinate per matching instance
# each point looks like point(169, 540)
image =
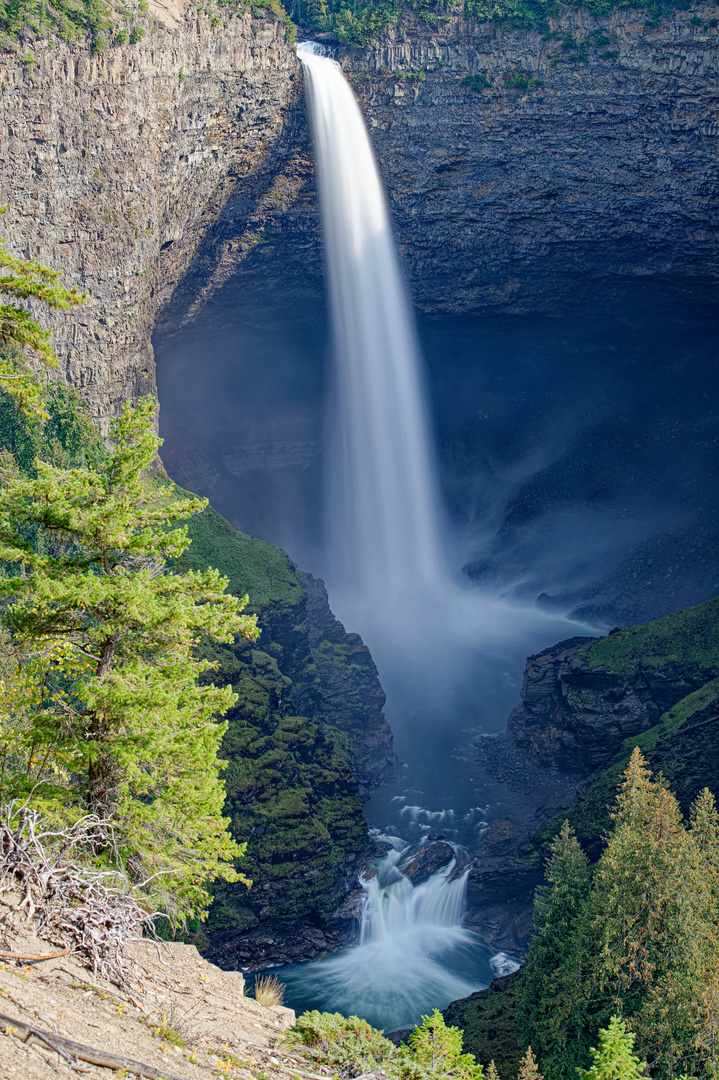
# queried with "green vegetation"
point(635, 939)
point(68, 19)
point(488, 1019)
point(520, 80)
point(689, 638)
point(351, 1047)
point(615, 1055)
point(623, 969)
point(476, 82)
point(251, 566)
point(103, 709)
point(24, 345)
point(682, 744)
point(289, 792)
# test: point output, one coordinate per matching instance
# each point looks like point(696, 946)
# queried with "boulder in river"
point(427, 861)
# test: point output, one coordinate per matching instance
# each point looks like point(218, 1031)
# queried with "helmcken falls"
point(385, 520)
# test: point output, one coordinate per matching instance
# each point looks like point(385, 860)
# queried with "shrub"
point(137, 35)
point(476, 82)
point(345, 1042)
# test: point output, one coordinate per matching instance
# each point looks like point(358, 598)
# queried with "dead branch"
point(6, 954)
point(69, 1050)
point(89, 912)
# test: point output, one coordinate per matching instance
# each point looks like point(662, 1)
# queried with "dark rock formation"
point(306, 740)
point(583, 701)
point(563, 179)
point(337, 682)
point(427, 861)
point(576, 716)
point(306, 736)
point(489, 1023)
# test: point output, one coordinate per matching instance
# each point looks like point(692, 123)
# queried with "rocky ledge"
point(584, 704)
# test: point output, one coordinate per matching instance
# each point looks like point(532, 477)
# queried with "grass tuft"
point(269, 990)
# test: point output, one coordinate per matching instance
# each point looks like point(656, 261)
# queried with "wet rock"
point(428, 861)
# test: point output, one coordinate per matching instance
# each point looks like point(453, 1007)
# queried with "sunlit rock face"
point(116, 164)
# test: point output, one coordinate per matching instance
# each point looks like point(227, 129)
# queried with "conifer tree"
point(552, 989)
point(437, 1053)
point(492, 1073)
point(24, 344)
point(614, 1058)
point(528, 1068)
point(652, 917)
point(108, 635)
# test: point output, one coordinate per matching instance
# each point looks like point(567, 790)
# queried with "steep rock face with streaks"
point(584, 158)
point(115, 164)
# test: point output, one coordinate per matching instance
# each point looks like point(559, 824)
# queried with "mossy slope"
point(684, 744)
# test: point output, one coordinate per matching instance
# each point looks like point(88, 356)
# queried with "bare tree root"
point(91, 912)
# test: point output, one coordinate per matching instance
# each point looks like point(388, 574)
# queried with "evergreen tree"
point(552, 989)
point(436, 1052)
point(492, 1073)
point(654, 921)
point(106, 640)
point(528, 1068)
point(614, 1058)
point(24, 345)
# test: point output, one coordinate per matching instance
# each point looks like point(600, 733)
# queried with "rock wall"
point(584, 160)
point(587, 161)
point(115, 164)
point(306, 742)
point(575, 716)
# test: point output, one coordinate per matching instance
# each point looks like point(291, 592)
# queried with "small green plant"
point(182, 75)
point(518, 80)
point(143, 7)
point(476, 82)
point(269, 990)
point(99, 43)
point(615, 1055)
point(121, 37)
point(137, 35)
point(169, 1034)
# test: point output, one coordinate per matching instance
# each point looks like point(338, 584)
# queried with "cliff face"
point(114, 166)
point(585, 704)
point(307, 740)
point(586, 161)
point(576, 716)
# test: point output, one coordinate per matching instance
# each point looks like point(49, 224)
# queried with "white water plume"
point(414, 955)
point(385, 515)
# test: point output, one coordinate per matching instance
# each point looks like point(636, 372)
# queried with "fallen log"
point(68, 1048)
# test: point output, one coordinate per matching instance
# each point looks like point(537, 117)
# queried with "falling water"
point(414, 955)
point(384, 509)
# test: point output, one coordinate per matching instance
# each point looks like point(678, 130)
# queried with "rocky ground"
point(184, 1019)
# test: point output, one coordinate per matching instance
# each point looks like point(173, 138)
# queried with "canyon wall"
point(158, 173)
point(114, 165)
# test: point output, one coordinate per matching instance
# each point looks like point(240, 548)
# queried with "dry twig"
point(89, 911)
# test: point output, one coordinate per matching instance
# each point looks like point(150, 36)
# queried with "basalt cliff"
point(574, 163)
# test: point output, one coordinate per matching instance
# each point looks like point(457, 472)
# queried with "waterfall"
point(385, 517)
point(414, 955)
